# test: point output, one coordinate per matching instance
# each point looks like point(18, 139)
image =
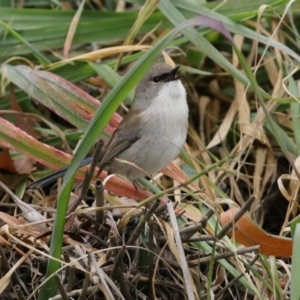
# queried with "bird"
point(151, 134)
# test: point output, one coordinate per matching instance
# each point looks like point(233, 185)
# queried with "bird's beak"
point(172, 75)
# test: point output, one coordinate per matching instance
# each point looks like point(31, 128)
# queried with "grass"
point(220, 221)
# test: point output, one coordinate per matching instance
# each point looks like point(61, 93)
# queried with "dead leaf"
point(6, 162)
point(246, 232)
point(29, 213)
point(22, 120)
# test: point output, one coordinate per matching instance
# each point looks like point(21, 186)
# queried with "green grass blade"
point(195, 37)
point(39, 56)
point(191, 10)
point(111, 77)
point(49, 289)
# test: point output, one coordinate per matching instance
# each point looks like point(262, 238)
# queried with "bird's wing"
point(125, 135)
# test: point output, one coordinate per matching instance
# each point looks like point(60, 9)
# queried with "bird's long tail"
point(51, 178)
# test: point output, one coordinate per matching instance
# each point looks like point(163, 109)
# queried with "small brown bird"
point(152, 133)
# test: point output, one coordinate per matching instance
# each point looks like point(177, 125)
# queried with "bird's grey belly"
point(149, 154)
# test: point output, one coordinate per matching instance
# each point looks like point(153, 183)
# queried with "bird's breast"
point(163, 131)
point(168, 113)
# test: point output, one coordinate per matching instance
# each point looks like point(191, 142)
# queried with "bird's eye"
point(156, 79)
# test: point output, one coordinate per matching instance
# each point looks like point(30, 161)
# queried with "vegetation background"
point(68, 72)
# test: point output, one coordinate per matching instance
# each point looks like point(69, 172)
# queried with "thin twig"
point(85, 281)
point(218, 295)
point(70, 272)
point(187, 232)
point(151, 259)
point(103, 279)
point(99, 195)
point(141, 225)
point(61, 288)
point(229, 226)
point(87, 178)
point(19, 293)
point(118, 261)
